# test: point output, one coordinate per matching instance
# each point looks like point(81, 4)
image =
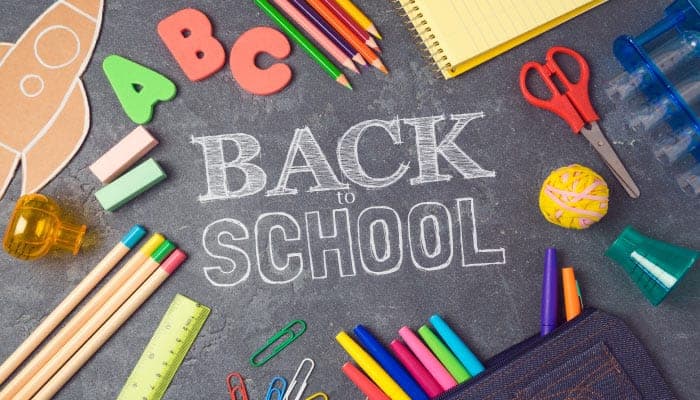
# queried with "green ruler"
point(165, 351)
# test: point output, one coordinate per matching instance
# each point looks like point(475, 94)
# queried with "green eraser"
point(131, 184)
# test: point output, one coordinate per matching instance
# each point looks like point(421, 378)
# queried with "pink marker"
point(436, 369)
point(416, 369)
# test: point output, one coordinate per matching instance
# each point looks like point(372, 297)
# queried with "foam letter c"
point(249, 76)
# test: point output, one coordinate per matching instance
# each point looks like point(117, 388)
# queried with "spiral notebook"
point(461, 34)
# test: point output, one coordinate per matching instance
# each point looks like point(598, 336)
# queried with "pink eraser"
point(123, 155)
point(431, 363)
point(173, 261)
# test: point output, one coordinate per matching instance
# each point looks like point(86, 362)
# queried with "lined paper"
point(466, 29)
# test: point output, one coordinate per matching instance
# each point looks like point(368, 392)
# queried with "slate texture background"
point(492, 307)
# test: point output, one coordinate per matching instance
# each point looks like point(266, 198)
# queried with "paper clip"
point(304, 382)
point(275, 388)
point(236, 386)
point(317, 396)
point(288, 331)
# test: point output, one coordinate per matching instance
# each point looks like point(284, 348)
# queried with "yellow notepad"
point(461, 34)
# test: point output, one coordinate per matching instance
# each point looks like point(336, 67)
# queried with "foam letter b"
point(188, 36)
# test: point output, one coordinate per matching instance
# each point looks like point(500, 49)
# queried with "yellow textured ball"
point(574, 197)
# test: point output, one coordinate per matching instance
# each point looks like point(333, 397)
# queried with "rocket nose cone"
point(90, 7)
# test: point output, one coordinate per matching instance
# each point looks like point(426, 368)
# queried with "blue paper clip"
point(291, 335)
point(304, 382)
point(274, 388)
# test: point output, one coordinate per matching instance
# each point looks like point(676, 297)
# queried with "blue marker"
point(389, 363)
point(458, 347)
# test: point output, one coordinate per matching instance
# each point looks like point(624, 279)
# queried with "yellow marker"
point(371, 368)
point(359, 17)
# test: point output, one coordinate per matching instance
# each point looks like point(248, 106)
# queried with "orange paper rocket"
point(44, 112)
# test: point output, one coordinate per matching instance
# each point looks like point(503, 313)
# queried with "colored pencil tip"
point(344, 81)
point(358, 59)
point(380, 66)
point(372, 43)
point(374, 32)
point(351, 66)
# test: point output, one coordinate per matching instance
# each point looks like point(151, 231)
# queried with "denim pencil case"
point(593, 357)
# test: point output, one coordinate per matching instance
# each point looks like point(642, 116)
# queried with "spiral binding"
point(427, 42)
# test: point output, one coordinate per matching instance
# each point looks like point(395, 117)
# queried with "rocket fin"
point(4, 48)
point(46, 157)
point(8, 166)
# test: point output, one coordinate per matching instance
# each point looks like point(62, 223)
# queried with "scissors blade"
point(597, 139)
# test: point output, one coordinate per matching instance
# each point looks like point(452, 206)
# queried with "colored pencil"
point(82, 316)
point(366, 386)
point(344, 31)
point(302, 41)
point(437, 370)
point(572, 301)
point(359, 17)
point(458, 347)
point(321, 23)
point(371, 367)
point(416, 369)
point(110, 327)
point(444, 354)
point(351, 24)
point(130, 239)
point(95, 321)
point(316, 34)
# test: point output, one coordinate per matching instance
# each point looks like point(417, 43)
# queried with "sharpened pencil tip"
point(358, 59)
point(374, 32)
point(380, 66)
point(351, 66)
point(343, 80)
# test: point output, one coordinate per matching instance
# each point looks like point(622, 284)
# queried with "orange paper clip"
point(236, 386)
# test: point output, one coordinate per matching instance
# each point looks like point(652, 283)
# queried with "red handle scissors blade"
point(574, 105)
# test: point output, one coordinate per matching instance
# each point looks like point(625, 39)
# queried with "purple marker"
point(550, 292)
point(312, 15)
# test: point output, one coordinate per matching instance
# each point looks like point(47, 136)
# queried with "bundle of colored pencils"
point(92, 325)
point(338, 26)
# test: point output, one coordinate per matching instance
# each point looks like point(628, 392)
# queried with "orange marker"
point(347, 34)
point(572, 300)
point(45, 113)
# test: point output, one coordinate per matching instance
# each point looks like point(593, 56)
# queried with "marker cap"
point(152, 244)
point(163, 251)
point(134, 236)
point(174, 260)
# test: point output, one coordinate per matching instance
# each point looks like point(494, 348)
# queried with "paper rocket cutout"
point(44, 112)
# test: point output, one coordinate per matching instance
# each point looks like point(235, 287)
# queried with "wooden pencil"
point(110, 327)
point(86, 330)
point(351, 24)
point(71, 301)
point(313, 31)
point(82, 316)
point(339, 26)
point(360, 17)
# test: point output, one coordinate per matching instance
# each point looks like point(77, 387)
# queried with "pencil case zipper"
point(504, 358)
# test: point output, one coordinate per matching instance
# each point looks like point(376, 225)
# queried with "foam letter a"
point(138, 88)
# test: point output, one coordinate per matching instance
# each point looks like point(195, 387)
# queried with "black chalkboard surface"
point(259, 259)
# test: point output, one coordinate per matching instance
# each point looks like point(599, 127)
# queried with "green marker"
point(444, 354)
point(302, 41)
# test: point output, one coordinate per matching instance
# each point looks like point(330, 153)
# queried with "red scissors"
point(574, 106)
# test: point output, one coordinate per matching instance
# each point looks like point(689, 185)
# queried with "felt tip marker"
point(389, 363)
point(550, 293)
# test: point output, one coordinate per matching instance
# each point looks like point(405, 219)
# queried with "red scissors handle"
point(574, 105)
